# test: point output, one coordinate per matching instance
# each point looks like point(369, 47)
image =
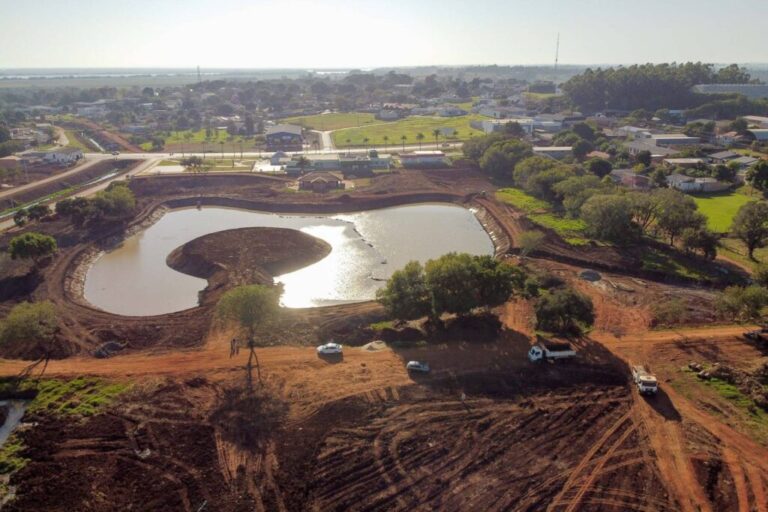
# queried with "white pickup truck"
point(644, 380)
point(543, 351)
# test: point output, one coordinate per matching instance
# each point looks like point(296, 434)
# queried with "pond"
point(367, 247)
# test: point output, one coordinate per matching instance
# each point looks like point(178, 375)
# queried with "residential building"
point(278, 158)
point(498, 125)
point(759, 135)
point(658, 153)
point(674, 139)
point(556, 152)
point(60, 156)
point(688, 184)
point(723, 157)
point(630, 179)
point(728, 139)
point(423, 159)
point(321, 181)
point(633, 132)
point(758, 121)
point(286, 137)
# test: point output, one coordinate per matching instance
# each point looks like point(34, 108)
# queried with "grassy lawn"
point(74, 142)
point(196, 137)
point(334, 121)
point(735, 249)
point(749, 414)
point(722, 207)
point(540, 212)
point(409, 127)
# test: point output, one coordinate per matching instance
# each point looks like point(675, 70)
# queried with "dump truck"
point(644, 380)
point(550, 351)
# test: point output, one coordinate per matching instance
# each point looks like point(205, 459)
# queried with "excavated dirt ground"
point(358, 432)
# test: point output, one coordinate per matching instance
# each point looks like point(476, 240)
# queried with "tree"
point(760, 274)
point(501, 157)
point(529, 242)
point(30, 328)
point(608, 217)
point(117, 202)
point(419, 137)
point(574, 191)
point(38, 211)
point(600, 167)
point(581, 149)
point(757, 175)
point(21, 217)
point(34, 246)
point(403, 138)
point(451, 284)
point(644, 157)
point(436, 133)
point(700, 240)
point(564, 311)
point(406, 296)
point(252, 308)
point(584, 131)
point(386, 141)
point(514, 129)
point(739, 125)
point(495, 281)
point(751, 226)
point(743, 303)
point(676, 213)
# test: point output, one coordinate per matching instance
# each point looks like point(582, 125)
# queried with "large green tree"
point(743, 303)
point(33, 246)
point(29, 329)
point(406, 295)
point(608, 217)
point(564, 311)
point(757, 175)
point(751, 225)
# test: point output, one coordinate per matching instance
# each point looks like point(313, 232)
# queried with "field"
point(721, 208)
point(541, 213)
point(334, 121)
point(74, 141)
point(409, 127)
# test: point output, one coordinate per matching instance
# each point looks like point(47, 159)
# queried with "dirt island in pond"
point(245, 256)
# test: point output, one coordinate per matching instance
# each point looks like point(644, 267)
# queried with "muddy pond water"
point(367, 247)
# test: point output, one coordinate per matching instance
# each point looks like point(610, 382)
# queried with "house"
point(688, 184)
point(674, 139)
point(686, 163)
point(723, 157)
point(728, 139)
point(286, 137)
point(599, 154)
point(321, 181)
point(556, 152)
point(658, 153)
point(60, 156)
point(451, 112)
point(10, 162)
point(498, 125)
point(758, 121)
point(633, 132)
point(759, 135)
point(745, 161)
point(630, 179)
point(355, 166)
point(388, 115)
point(423, 159)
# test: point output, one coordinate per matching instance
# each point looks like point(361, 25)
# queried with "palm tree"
point(436, 133)
point(419, 137)
point(386, 139)
point(349, 142)
point(222, 149)
point(365, 141)
point(403, 138)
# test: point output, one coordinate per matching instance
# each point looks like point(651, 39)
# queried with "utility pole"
point(557, 50)
point(198, 74)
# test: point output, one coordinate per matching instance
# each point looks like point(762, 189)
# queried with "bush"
point(30, 327)
point(34, 246)
point(564, 311)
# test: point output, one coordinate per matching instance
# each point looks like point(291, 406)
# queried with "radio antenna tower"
point(557, 50)
point(198, 74)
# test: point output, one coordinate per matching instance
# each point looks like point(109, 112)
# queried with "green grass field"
point(409, 127)
point(196, 137)
point(334, 121)
point(541, 213)
point(74, 142)
point(721, 208)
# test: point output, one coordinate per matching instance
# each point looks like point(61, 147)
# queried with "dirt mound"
point(246, 256)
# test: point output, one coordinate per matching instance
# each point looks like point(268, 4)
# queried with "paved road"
point(90, 159)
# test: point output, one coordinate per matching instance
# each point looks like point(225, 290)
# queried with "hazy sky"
point(367, 33)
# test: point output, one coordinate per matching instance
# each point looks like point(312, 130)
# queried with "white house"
point(62, 156)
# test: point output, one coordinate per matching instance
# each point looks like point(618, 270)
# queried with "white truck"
point(547, 350)
point(644, 380)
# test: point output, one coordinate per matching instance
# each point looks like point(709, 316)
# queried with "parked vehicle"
point(329, 348)
point(644, 380)
point(417, 366)
point(549, 350)
point(115, 153)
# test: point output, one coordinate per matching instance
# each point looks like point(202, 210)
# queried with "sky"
point(367, 33)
